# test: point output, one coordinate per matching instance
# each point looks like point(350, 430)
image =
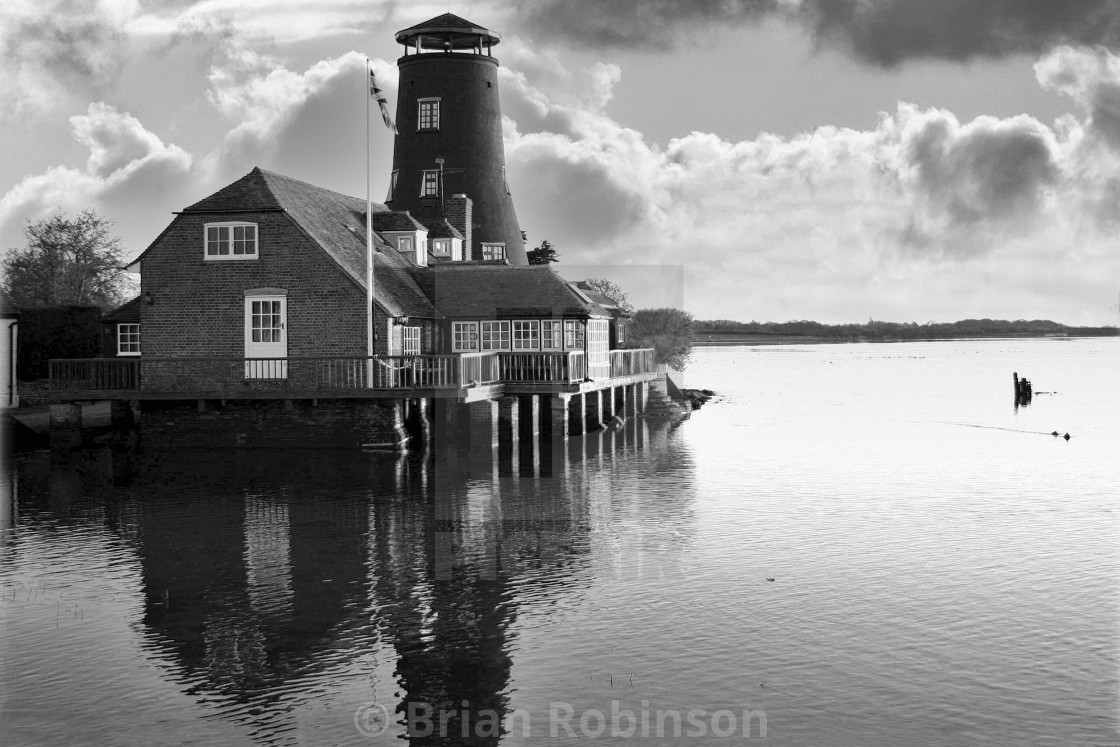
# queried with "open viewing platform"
point(466, 377)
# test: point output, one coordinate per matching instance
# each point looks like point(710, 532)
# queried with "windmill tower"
point(448, 158)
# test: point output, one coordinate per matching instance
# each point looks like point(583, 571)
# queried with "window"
point(410, 341)
point(493, 251)
point(495, 335)
point(404, 243)
point(552, 335)
point(428, 117)
point(526, 335)
point(505, 181)
point(266, 321)
point(441, 246)
point(429, 187)
point(128, 339)
point(464, 336)
point(598, 342)
point(573, 334)
point(392, 185)
point(231, 241)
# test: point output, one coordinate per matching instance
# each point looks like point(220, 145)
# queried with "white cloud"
point(1091, 77)
point(53, 50)
point(919, 216)
point(310, 124)
point(127, 162)
point(922, 214)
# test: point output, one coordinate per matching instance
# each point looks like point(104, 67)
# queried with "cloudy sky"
point(836, 160)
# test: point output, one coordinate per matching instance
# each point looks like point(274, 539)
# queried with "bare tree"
point(668, 331)
point(611, 290)
point(66, 262)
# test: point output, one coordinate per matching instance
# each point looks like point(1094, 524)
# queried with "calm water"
point(944, 572)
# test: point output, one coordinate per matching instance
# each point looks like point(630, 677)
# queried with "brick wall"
point(460, 213)
point(198, 305)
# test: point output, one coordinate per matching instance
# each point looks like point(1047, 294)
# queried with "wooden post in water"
point(1023, 390)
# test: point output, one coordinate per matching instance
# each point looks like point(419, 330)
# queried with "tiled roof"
point(443, 230)
point(247, 193)
point(462, 290)
point(129, 311)
point(336, 222)
point(600, 298)
point(445, 21)
point(448, 31)
point(395, 220)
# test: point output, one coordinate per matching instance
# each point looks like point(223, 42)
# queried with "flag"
point(376, 94)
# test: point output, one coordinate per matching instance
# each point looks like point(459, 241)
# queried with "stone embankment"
point(663, 406)
point(697, 397)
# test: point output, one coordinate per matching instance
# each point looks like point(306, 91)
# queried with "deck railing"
point(630, 362)
point(95, 374)
point(185, 375)
point(567, 367)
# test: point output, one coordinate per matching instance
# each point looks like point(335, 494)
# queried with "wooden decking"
point(466, 377)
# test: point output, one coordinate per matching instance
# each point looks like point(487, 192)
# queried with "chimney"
point(460, 210)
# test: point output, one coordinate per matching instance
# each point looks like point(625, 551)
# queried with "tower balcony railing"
point(231, 376)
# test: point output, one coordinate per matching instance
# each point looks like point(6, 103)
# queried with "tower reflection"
point(268, 576)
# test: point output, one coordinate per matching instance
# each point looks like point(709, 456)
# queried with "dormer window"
point(428, 116)
point(404, 244)
point(429, 186)
point(230, 240)
point(493, 251)
point(441, 246)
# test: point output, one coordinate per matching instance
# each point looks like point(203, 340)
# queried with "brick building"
point(270, 267)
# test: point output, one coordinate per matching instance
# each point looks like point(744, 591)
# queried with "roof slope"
point(487, 291)
point(129, 311)
point(601, 298)
point(390, 220)
point(336, 222)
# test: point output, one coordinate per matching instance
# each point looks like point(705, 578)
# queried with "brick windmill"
point(450, 134)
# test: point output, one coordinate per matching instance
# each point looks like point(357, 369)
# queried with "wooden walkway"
point(467, 377)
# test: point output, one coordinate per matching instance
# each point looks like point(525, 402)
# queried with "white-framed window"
point(573, 334)
point(464, 336)
point(441, 246)
point(427, 118)
point(128, 338)
point(266, 320)
point(404, 244)
point(429, 185)
point(410, 341)
point(527, 335)
point(493, 251)
point(494, 335)
point(598, 342)
point(552, 334)
point(230, 240)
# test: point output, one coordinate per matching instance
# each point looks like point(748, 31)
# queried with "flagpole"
point(369, 241)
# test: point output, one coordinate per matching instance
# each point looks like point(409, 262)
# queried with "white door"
point(266, 337)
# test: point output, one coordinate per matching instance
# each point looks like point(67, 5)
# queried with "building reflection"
point(268, 574)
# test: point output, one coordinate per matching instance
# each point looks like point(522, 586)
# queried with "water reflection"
point(269, 576)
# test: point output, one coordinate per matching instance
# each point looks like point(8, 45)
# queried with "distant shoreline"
point(723, 339)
